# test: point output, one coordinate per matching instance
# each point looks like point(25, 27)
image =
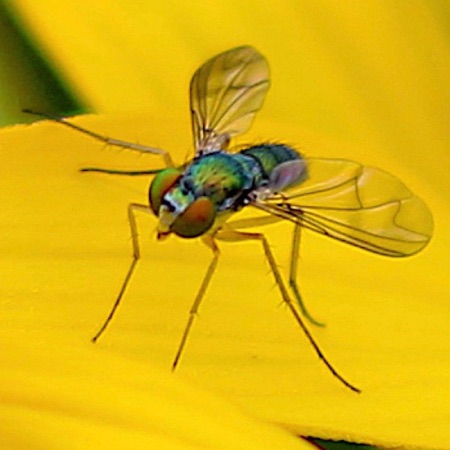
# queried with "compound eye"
point(160, 185)
point(196, 220)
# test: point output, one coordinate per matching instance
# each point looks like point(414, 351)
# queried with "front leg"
point(208, 240)
point(132, 209)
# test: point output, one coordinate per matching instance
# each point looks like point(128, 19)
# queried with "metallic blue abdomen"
point(270, 156)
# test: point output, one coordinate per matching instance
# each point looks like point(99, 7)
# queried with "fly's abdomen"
point(271, 155)
point(281, 166)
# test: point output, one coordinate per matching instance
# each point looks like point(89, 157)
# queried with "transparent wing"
point(225, 94)
point(358, 205)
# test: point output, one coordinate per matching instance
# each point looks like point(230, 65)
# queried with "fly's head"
point(179, 208)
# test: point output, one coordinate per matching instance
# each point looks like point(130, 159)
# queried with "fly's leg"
point(132, 173)
point(234, 236)
point(293, 276)
point(107, 140)
point(209, 241)
point(132, 208)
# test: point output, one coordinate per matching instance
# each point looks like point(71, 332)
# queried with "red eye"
point(196, 220)
point(162, 182)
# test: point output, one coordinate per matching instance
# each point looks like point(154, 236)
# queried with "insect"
point(341, 199)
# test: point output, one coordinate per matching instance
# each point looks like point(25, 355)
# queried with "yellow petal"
point(366, 81)
point(67, 249)
point(60, 394)
point(57, 388)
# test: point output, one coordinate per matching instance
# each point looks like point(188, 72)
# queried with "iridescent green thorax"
point(219, 176)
